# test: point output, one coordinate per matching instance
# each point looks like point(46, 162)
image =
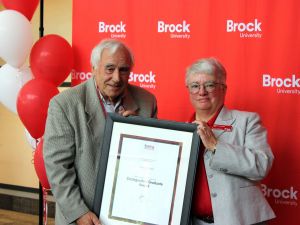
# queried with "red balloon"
point(32, 105)
point(51, 59)
point(39, 165)
point(27, 8)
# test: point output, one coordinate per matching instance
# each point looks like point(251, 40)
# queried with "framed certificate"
point(146, 171)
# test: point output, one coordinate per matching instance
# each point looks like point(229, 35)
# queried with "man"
point(75, 128)
point(234, 155)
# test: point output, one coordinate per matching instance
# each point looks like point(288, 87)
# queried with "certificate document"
point(143, 180)
point(146, 172)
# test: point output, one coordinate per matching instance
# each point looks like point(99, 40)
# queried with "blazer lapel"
point(95, 114)
point(128, 101)
point(224, 118)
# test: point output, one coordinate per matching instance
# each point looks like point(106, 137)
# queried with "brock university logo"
point(288, 196)
point(176, 31)
point(288, 85)
point(252, 29)
point(145, 80)
point(115, 30)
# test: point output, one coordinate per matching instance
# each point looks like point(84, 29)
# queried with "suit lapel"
point(128, 101)
point(95, 114)
point(224, 118)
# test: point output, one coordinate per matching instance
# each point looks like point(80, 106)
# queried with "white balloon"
point(11, 81)
point(16, 37)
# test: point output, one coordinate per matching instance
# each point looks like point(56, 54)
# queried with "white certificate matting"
point(144, 179)
point(145, 176)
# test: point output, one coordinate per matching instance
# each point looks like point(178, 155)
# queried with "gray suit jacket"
point(243, 158)
point(72, 141)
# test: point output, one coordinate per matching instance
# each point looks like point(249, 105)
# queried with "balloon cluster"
point(27, 90)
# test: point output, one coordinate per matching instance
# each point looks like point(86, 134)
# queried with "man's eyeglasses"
point(194, 88)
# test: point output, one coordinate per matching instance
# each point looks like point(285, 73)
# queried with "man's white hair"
point(111, 44)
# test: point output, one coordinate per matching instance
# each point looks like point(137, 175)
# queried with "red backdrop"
point(257, 41)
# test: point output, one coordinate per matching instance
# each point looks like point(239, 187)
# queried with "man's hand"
point(88, 219)
point(128, 113)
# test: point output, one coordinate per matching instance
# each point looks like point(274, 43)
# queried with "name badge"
point(226, 128)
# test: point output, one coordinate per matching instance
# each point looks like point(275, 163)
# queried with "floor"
point(16, 218)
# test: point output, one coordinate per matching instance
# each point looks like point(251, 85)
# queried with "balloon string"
point(32, 160)
point(45, 205)
point(20, 81)
point(33, 152)
point(36, 143)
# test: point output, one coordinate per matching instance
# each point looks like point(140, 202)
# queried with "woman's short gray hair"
point(209, 66)
point(111, 44)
